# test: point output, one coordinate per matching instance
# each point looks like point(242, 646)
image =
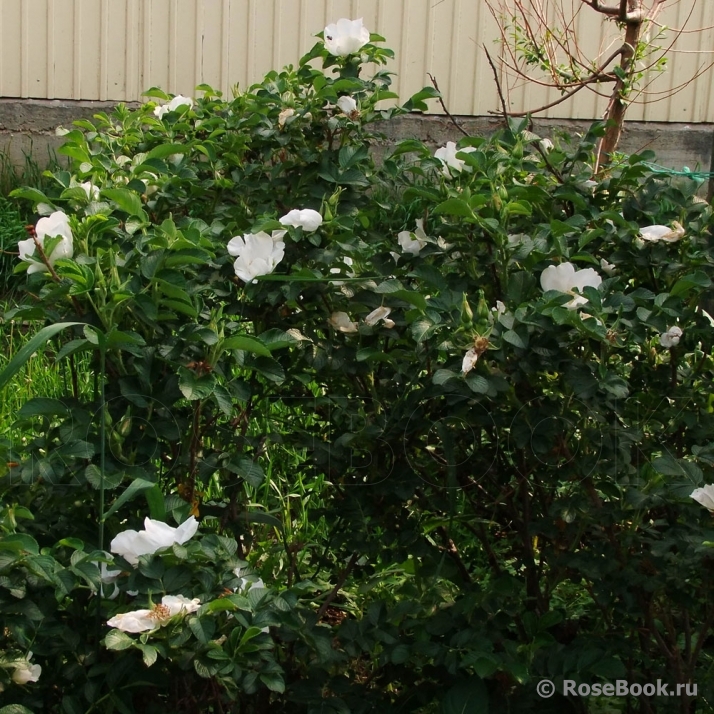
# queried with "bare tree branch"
point(443, 106)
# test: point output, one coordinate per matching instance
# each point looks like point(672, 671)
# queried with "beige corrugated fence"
point(115, 49)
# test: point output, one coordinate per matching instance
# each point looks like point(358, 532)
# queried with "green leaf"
point(455, 207)
point(693, 280)
point(163, 150)
point(19, 542)
point(15, 709)
point(40, 406)
point(245, 343)
point(273, 681)
point(149, 653)
point(24, 354)
point(441, 376)
point(134, 488)
point(513, 338)
point(155, 500)
point(127, 200)
point(194, 386)
point(118, 640)
point(202, 628)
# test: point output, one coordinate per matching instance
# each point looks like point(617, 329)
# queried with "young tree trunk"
point(634, 15)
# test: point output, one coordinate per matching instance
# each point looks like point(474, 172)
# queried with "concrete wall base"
point(27, 127)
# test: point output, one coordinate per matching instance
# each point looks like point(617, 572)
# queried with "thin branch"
point(504, 108)
point(595, 5)
point(443, 106)
point(340, 582)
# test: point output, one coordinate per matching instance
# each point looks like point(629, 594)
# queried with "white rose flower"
point(345, 37)
point(342, 323)
point(26, 672)
point(665, 233)
point(380, 313)
point(307, 219)
point(565, 279)
point(705, 496)
point(51, 226)
point(469, 361)
point(147, 620)
point(546, 145)
point(131, 544)
point(671, 337)
point(257, 254)
point(172, 106)
point(91, 191)
point(447, 156)
point(347, 105)
point(413, 242)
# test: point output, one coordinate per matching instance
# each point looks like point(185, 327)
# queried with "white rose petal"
point(565, 279)
point(345, 37)
point(131, 544)
point(172, 106)
point(380, 313)
point(347, 105)
point(705, 496)
point(307, 219)
point(341, 322)
point(284, 116)
point(57, 224)
point(257, 254)
point(546, 144)
point(469, 361)
point(147, 620)
point(657, 233)
point(91, 191)
point(447, 156)
point(607, 268)
point(26, 672)
point(413, 242)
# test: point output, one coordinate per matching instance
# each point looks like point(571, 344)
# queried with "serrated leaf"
point(148, 654)
point(118, 640)
point(127, 200)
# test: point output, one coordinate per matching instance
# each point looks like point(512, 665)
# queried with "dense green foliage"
point(431, 537)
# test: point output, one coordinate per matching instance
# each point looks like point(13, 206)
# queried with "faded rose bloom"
point(670, 338)
point(380, 313)
point(284, 116)
point(257, 254)
point(131, 544)
point(469, 361)
point(341, 322)
point(705, 496)
point(345, 37)
point(565, 279)
point(447, 156)
point(172, 106)
point(160, 614)
point(51, 226)
point(546, 145)
point(307, 219)
point(657, 233)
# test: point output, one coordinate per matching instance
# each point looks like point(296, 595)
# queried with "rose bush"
point(425, 481)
